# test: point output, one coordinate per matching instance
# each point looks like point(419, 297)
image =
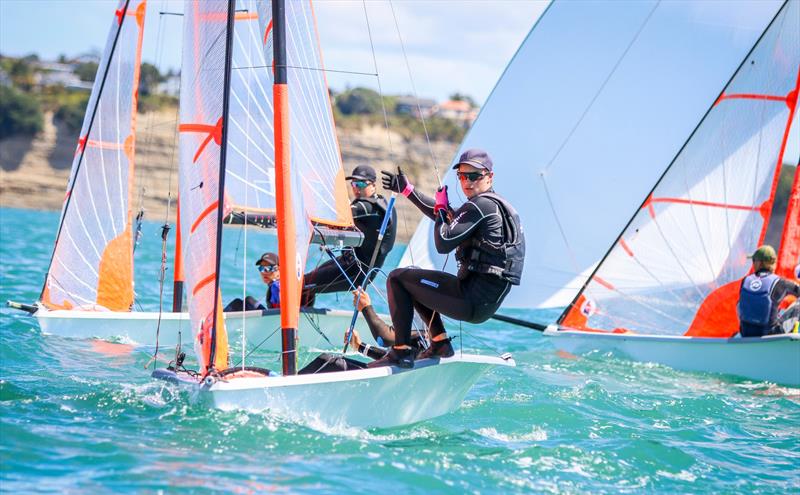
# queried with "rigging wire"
point(416, 95)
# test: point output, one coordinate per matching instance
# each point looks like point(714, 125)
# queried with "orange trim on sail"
point(214, 132)
point(115, 281)
point(221, 355)
point(48, 302)
point(789, 254)
point(717, 316)
point(209, 209)
point(244, 16)
point(204, 336)
point(202, 283)
point(625, 247)
point(266, 35)
point(776, 177)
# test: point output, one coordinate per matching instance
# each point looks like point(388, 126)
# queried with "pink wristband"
point(408, 190)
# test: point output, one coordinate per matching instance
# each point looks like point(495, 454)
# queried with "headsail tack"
point(92, 263)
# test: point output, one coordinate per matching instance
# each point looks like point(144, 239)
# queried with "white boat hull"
point(369, 398)
point(262, 327)
point(775, 358)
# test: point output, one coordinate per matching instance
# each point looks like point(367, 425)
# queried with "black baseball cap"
point(475, 157)
point(268, 258)
point(363, 172)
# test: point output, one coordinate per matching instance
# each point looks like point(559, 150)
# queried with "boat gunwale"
point(561, 331)
point(271, 382)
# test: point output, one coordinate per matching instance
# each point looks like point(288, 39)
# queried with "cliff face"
point(34, 171)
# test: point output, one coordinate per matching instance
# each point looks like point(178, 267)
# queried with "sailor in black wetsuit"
point(760, 295)
point(368, 209)
point(485, 233)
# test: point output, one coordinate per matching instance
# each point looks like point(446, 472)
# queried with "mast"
point(290, 290)
point(177, 261)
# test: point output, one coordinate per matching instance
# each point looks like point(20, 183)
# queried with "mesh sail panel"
point(586, 117)
point(250, 164)
point(689, 241)
point(92, 265)
point(201, 121)
point(314, 147)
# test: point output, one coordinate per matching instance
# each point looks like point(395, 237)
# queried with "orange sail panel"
point(678, 264)
point(201, 137)
point(92, 263)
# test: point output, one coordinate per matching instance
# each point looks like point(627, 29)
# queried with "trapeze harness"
point(758, 313)
point(504, 260)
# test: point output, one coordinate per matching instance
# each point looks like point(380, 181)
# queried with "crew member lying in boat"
point(381, 332)
point(267, 266)
point(761, 295)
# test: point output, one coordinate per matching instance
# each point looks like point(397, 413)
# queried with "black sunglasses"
point(471, 176)
point(270, 268)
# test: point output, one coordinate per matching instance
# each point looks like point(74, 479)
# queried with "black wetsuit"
point(470, 296)
point(367, 215)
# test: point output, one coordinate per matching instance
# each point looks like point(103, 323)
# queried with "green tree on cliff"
point(20, 113)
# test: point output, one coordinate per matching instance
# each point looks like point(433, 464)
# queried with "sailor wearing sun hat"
point(368, 209)
point(486, 235)
point(761, 294)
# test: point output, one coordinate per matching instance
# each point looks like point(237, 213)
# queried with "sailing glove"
point(396, 182)
point(442, 203)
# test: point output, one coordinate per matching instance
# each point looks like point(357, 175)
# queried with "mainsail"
point(581, 126)
point(676, 267)
point(315, 154)
point(204, 100)
point(92, 262)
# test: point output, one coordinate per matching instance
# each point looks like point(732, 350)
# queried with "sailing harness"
point(505, 260)
point(757, 311)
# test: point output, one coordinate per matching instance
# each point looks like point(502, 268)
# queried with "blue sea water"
point(75, 420)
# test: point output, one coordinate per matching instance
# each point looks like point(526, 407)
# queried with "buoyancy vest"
point(504, 260)
point(364, 252)
point(757, 311)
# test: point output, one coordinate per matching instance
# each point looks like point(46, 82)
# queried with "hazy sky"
point(452, 45)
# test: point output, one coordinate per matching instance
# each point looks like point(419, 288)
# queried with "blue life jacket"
point(757, 312)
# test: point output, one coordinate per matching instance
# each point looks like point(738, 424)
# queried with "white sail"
point(250, 164)
point(581, 127)
point(677, 266)
point(202, 120)
point(92, 264)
